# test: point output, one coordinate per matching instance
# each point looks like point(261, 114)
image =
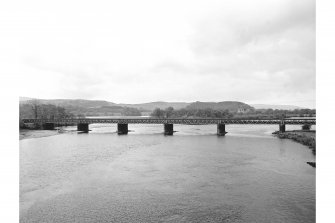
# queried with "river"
point(193, 176)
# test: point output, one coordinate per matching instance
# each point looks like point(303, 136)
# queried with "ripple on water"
point(144, 177)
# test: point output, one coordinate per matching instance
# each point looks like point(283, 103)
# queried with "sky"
point(257, 52)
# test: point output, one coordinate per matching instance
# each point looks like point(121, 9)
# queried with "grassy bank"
point(306, 138)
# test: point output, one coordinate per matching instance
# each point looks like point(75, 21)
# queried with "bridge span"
point(122, 124)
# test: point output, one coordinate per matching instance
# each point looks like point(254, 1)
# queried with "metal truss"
point(196, 121)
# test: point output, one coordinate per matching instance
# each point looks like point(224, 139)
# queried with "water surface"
point(194, 176)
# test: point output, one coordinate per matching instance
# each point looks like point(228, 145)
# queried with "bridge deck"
point(196, 121)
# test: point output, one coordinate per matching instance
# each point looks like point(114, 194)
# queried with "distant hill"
point(159, 104)
point(232, 106)
point(21, 99)
point(87, 107)
point(279, 107)
point(105, 108)
point(98, 103)
point(75, 102)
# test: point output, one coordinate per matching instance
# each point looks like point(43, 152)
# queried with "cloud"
point(137, 51)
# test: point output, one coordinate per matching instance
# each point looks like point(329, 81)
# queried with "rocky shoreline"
point(305, 137)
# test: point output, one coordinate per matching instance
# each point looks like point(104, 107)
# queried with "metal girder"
point(195, 121)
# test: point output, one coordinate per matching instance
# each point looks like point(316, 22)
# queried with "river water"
point(193, 176)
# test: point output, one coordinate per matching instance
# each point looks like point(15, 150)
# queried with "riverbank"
point(307, 138)
point(28, 134)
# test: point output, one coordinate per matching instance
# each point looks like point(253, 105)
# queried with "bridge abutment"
point(83, 127)
point(168, 129)
point(221, 130)
point(282, 128)
point(122, 129)
point(48, 126)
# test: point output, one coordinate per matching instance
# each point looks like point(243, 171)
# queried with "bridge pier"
point(122, 129)
point(168, 129)
point(306, 127)
point(48, 126)
point(221, 130)
point(82, 127)
point(281, 127)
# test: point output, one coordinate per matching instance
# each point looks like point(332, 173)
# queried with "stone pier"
point(306, 127)
point(122, 129)
point(48, 126)
point(168, 129)
point(221, 130)
point(281, 127)
point(83, 127)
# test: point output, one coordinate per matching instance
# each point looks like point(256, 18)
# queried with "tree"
point(169, 112)
point(35, 108)
point(157, 112)
point(127, 111)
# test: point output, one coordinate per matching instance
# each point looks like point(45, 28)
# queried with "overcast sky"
point(259, 51)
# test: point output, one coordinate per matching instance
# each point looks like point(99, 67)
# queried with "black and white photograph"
point(163, 111)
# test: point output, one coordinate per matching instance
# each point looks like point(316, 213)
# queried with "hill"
point(74, 102)
point(87, 107)
point(280, 107)
point(81, 107)
point(231, 106)
point(105, 108)
point(159, 104)
point(21, 99)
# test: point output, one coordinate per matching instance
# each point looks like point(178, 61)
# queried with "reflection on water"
point(193, 176)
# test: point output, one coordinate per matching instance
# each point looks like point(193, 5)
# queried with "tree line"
point(170, 112)
point(279, 113)
point(43, 111)
point(37, 110)
point(127, 111)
